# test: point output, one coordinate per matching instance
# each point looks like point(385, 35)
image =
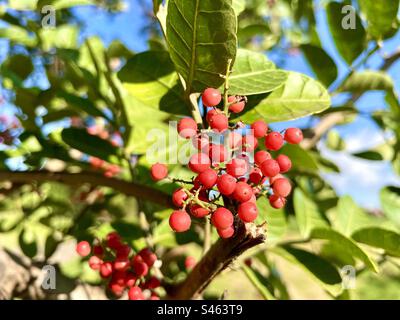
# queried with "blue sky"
point(359, 178)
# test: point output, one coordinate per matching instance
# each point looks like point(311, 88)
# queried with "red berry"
point(260, 128)
point(219, 122)
point(237, 167)
point(123, 251)
point(139, 266)
point(234, 139)
point(284, 163)
point(135, 293)
point(148, 256)
point(222, 218)
point(180, 221)
point(130, 279)
point(98, 251)
point(201, 142)
point(226, 184)
point(247, 212)
point(226, 233)
point(276, 201)
point(211, 97)
point(152, 283)
point(293, 135)
point(261, 156)
point(121, 264)
point(187, 128)
point(273, 179)
point(255, 175)
point(106, 269)
point(199, 162)
point(113, 240)
point(212, 113)
point(190, 262)
point(282, 187)
point(208, 178)
point(95, 262)
point(116, 288)
point(83, 248)
point(158, 171)
point(243, 192)
point(218, 153)
point(274, 141)
point(237, 106)
point(198, 211)
point(179, 197)
point(270, 168)
point(249, 143)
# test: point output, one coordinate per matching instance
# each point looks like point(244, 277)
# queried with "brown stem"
point(76, 179)
point(217, 259)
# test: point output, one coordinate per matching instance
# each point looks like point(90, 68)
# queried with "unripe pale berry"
point(190, 262)
point(249, 143)
point(179, 197)
point(274, 141)
point(293, 135)
point(219, 122)
point(237, 167)
point(282, 187)
point(260, 128)
point(243, 192)
point(218, 153)
point(199, 162)
point(135, 293)
point(226, 233)
point(276, 201)
point(261, 156)
point(83, 248)
point(198, 211)
point(208, 178)
point(226, 184)
point(211, 97)
point(158, 171)
point(255, 176)
point(235, 107)
point(180, 221)
point(247, 212)
point(284, 163)
point(222, 218)
point(187, 128)
point(270, 168)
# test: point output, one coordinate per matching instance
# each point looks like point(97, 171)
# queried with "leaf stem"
point(226, 86)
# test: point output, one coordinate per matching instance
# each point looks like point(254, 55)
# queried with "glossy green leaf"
point(276, 220)
point(321, 63)
point(92, 145)
point(18, 35)
point(349, 42)
point(300, 96)
point(201, 37)
point(65, 4)
point(369, 155)
point(302, 160)
point(22, 4)
point(390, 201)
point(346, 244)
point(259, 282)
point(379, 238)
point(381, 16)
point(151, 78)
point(307, 213)
point(360, 82)
point(253, 73)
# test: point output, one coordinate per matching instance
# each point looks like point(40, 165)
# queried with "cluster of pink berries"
point(115, 261)
point(233, 170)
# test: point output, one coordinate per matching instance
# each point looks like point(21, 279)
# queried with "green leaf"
point(238, 6)
point(346, 244)
point(369, 155)
point(380, 238)
point(334, 141)
point(320, 268)
point(321, 63)
point(65, 37)
point(307, 213)
point(95, 146)
point(201, 37)
point(349, 42)
point(19, 65)
point(18, 35)
point(350, 217)
point(65, 4)
point(381, 17)
point(390, 201)
point(360, 82)
point(22, 4)
point(302, 160)
point(276, 220)
point(50, 246)
point(300, 96)
point(27, 242)
point(253, 73)
point(151, 78)
point(258, 281)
